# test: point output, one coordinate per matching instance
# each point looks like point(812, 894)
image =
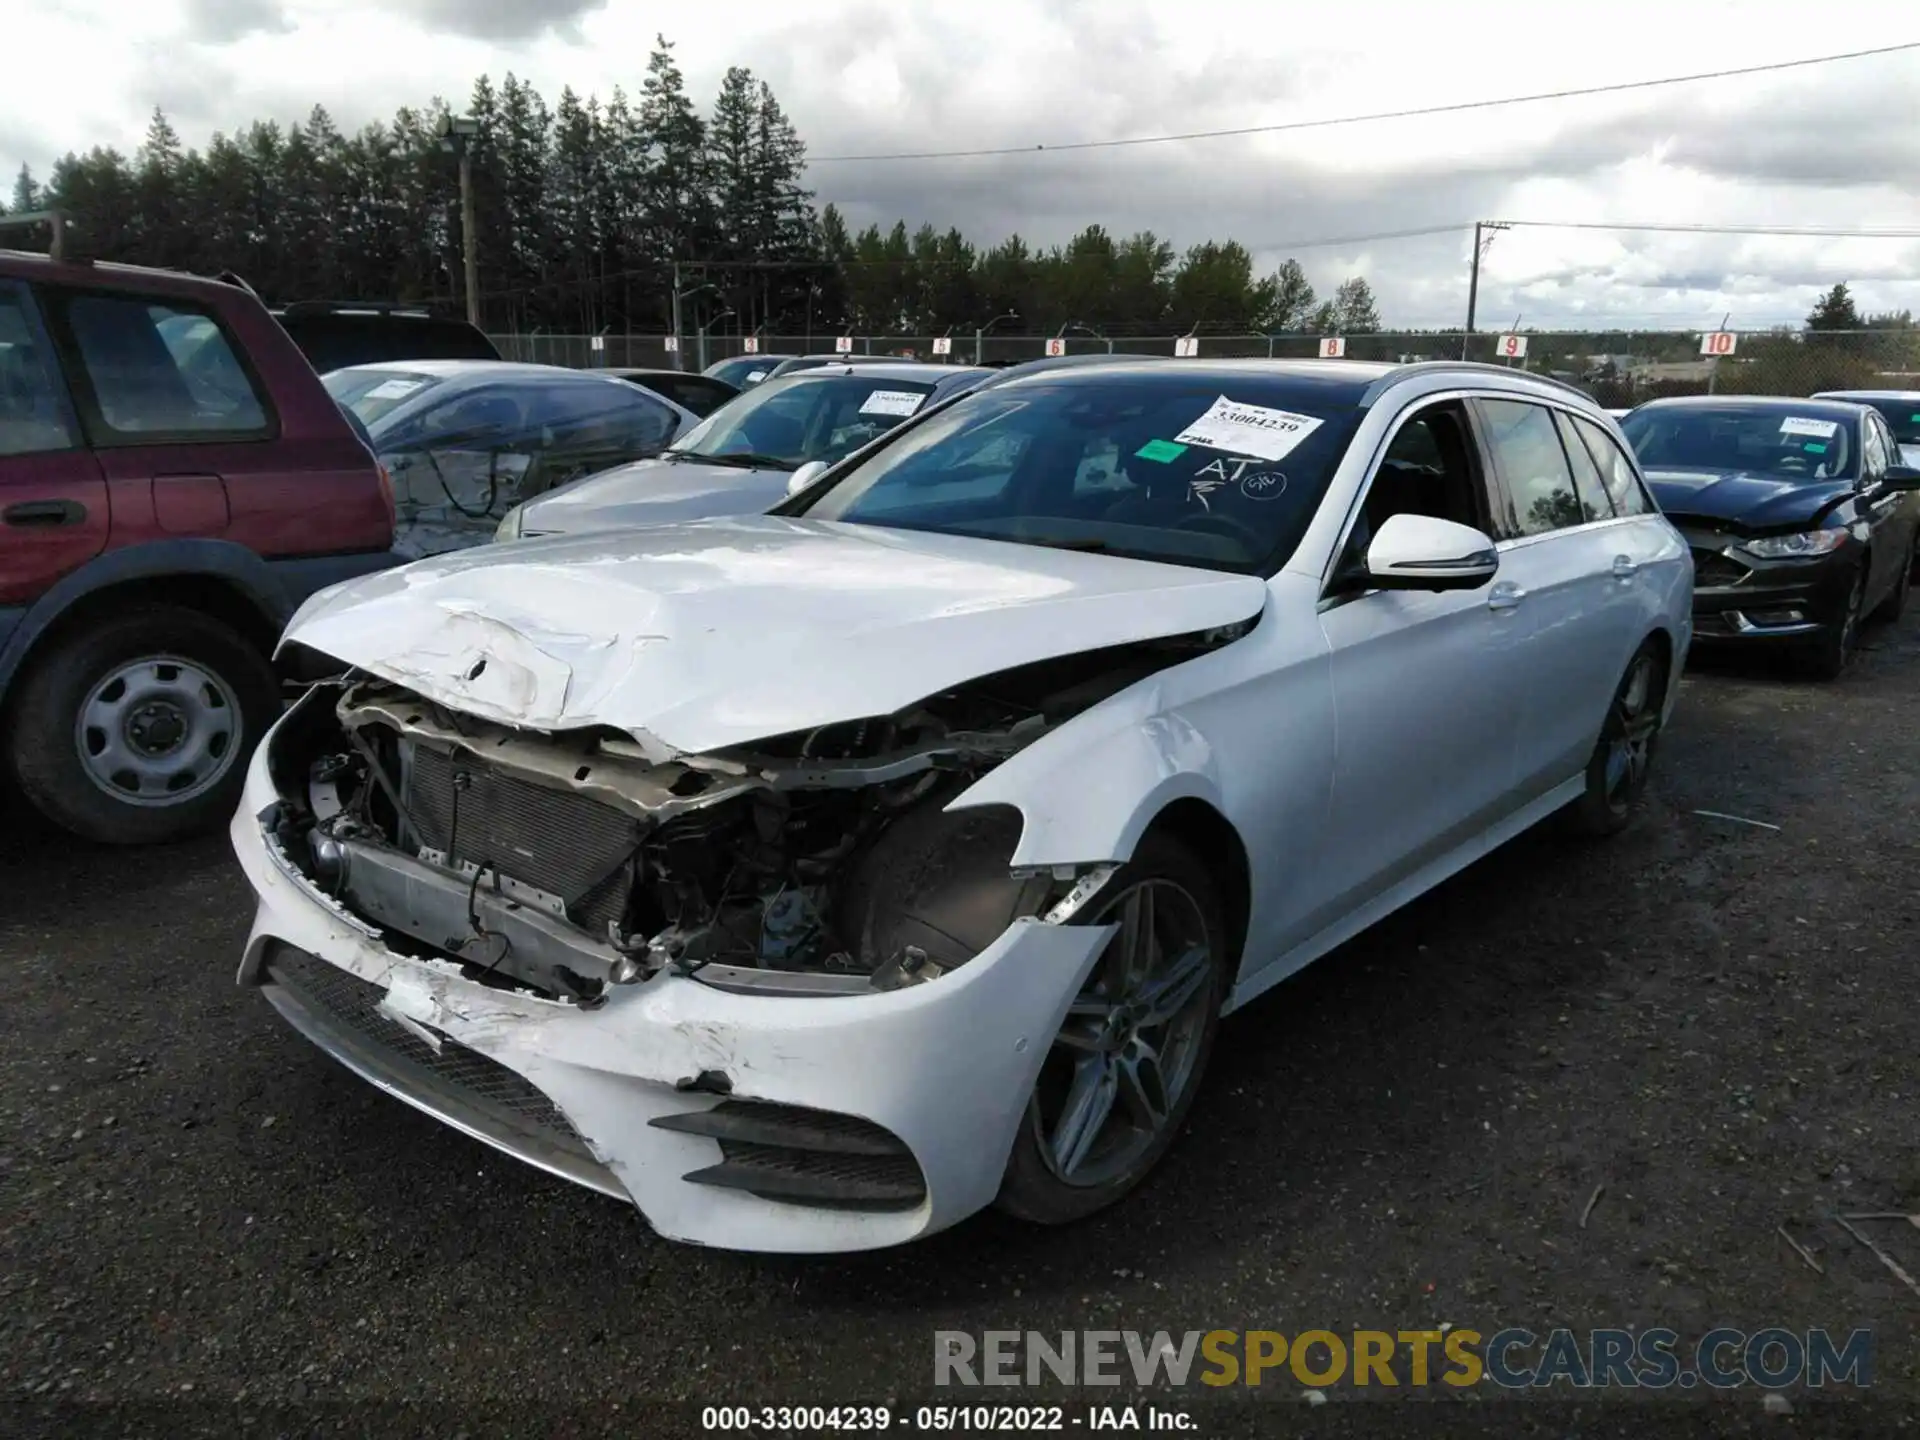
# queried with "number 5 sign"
point(1512, 347)
point(1334, 347)
point(1717, 342)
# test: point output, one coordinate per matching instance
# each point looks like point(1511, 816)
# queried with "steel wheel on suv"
point(137, 729)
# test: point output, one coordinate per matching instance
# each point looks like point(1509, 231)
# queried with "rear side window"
point(1616, 471)
point(162, 372)
point(33, 415)
point(1527, 453)
point(607, 413)
point(1586, 475)
point(696, 393)
point(335, 342)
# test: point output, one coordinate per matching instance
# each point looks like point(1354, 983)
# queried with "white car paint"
point(1362, 751)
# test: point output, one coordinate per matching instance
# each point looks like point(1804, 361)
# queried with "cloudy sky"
point(1834, 146)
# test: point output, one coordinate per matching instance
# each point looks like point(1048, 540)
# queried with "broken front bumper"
point(806, 1124)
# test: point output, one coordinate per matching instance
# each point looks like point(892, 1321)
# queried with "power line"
point(1685, 229)
point(1452, 109)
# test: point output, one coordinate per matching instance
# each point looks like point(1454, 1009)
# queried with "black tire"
point(1629, 736)
point(1032, 1188)
point(1827, 654)
point(44, 739)
point(1895, 604)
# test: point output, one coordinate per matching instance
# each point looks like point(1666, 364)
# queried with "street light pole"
point(458, 133)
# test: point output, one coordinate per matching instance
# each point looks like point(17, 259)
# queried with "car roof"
point(108, 274)
point(918, 373)
point(1867, 395)
point(1806, 405)
point(487, 369)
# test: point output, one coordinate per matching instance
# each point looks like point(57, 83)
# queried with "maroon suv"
point(174, 481)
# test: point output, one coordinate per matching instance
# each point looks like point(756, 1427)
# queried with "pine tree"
point(1292, 305)
point(1354, 303)
point(676, 205)
point(26, 194)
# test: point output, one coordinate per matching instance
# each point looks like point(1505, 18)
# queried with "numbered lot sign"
point(843, 344)
point(750, 345)
point(1512, 347)
point(1056, 346)
point(1717, 342)
point(670, 344)
point(1334, 347)
point(1186, 347)
point(943, 344)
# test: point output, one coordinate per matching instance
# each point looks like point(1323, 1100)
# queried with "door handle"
point(44, 514)
point(1624, 567)
point(1505, 596)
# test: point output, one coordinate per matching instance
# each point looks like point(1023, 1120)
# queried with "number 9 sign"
point(1512, 347)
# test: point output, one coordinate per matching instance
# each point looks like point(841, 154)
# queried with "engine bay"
point(564, 863)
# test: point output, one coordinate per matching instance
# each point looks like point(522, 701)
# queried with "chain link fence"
point(1617, 368)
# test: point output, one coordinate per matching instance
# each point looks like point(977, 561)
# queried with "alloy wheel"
point(1128, 1050)
point(1636, 722)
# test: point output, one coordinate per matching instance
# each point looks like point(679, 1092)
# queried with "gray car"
point(742, 458)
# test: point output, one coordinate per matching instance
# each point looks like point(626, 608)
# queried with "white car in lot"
point(815, 879)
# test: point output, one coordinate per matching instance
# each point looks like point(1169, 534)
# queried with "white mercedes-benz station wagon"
point(815, 879)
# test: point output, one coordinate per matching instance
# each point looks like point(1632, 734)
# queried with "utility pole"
point(677, 359)
point(1481, 228)
point(457, 134)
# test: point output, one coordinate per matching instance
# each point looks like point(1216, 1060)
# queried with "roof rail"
point(54, 220)
point(348, 307)
point(1475, 367)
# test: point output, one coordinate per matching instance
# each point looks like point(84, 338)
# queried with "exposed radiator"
point(562, 843)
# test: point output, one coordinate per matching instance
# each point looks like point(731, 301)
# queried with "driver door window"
point(1431, 468)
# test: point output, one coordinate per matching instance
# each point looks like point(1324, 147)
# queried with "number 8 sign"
point(1512, 347)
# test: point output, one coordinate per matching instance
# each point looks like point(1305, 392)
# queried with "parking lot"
point(1712, 1020)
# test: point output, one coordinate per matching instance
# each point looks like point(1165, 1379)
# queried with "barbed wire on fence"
point(1616, 367)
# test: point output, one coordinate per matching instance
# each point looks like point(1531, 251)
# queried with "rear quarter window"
point(159, 372)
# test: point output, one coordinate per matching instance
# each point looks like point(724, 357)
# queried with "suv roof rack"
point(357, 307)
point(55, 221)
point(1478, 367)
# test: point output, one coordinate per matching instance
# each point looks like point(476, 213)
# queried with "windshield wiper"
point(1085, 543)
point(748, 461)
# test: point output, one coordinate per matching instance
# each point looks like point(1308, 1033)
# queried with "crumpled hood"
point(649, 492)
point(1751, 501)
point(698, 636)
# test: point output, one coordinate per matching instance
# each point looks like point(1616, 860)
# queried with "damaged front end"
point(823, 863)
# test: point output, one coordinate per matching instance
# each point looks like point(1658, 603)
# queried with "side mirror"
point(1419, 552)
point(805, 476)
point(1900, 477)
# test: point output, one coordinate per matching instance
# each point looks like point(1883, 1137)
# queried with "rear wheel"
point(1121, 1076)
point(1623, 758)
point(137, 729)
point(1829, 651)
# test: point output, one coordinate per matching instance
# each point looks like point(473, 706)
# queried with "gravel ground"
point(1714, 1021)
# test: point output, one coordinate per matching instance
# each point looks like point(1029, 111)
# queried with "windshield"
point(1902, 417)
point(782, 424)
point(1194, 471)
point(369, 392)
point(744, 370)
point(1791, 442)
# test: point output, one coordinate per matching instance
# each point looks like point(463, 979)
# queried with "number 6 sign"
point(1717, 342)
point(1513, 347)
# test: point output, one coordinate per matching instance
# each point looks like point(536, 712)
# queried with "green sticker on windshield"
point(1814, 449)
point(1913, 419)
point(1164, 451)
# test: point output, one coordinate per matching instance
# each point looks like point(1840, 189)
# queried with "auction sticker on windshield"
point(892, 402)
point(1248, 430)
point(1801, 425)
point(394, 389)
